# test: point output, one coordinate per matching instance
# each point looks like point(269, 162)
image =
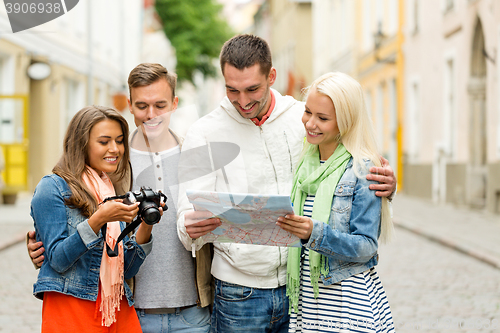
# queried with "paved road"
point(432, 288)
point(426, 283)
point(20, 312)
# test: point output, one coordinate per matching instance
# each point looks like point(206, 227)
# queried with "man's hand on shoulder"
point(199, 223)
point(386, 178)
point(35, 249)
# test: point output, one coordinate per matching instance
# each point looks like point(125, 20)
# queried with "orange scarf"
point(111, 274)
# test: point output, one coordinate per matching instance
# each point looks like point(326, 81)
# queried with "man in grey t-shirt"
point(165, 290)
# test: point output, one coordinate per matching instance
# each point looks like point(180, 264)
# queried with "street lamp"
point(378, 38)
point(38, 70)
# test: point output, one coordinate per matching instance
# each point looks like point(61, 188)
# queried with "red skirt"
point(67, 314)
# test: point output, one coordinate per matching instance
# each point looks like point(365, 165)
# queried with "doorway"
point(477, 180)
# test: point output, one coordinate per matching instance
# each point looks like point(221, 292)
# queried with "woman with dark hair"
point(82, 287)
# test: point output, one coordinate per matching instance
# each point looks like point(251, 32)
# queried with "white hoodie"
point(268, 156)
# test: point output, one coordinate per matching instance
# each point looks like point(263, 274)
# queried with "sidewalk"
point(474, 233)
point(15, 221)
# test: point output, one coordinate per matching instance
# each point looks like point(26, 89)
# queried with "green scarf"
point(320, 180)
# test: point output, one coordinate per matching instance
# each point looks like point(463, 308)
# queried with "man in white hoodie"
point(250, 293)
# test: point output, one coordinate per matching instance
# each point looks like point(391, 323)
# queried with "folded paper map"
point(246, 218)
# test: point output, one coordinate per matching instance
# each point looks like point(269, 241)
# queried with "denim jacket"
point(350, 239)
point(73, 251)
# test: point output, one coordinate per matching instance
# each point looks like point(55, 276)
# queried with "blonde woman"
point(83, 288)
point(338, 218)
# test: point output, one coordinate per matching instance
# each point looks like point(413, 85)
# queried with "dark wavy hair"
point(74, 159)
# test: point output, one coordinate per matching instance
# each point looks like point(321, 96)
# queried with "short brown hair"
point(243, 51)
point(148, 73)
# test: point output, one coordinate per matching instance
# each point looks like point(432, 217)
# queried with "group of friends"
point(322, 153)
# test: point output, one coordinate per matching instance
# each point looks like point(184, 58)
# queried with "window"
point(7, 76)
point(72, 100)
point(450, 108)
point(393, 125)
point(413, 123)
point(379, 10)
point(498, 96)
point(369, 106)
point(393, 17)
point(449, 5)
point(415, 17)
point(368, 25)
point(344, 21)
point(379, 118)
point(102, 94)
point(11, 110)
point(2, 70)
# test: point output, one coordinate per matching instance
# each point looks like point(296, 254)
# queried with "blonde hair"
point(356, 129)
point(74, 159)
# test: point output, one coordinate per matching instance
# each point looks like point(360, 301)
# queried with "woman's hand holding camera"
point(109, 211)
point(143, 234)
point(112, 211)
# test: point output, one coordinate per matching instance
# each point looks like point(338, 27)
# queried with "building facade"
point(430, 72)
point(363, 38)
point(452, 141)
point(287, 26)
point(87, 54)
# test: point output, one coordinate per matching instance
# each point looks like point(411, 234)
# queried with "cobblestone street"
point(432, 288)
point(20, 311)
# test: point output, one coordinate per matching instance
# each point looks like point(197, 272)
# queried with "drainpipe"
point(400, 94)
point(90, 73)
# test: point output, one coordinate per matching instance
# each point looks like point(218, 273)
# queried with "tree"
point(197, 31)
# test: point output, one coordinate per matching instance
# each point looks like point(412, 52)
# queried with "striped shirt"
point(356, 304)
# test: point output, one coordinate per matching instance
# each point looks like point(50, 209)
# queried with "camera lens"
point(151, 215)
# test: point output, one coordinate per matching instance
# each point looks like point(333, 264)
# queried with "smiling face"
point(249, 90)
point(320, 122)
point(105, 147)
point(152, 107)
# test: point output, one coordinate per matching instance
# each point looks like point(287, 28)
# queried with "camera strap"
point(130, 228)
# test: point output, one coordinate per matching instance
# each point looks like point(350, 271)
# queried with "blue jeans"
point(244, 309)
point(193, 319)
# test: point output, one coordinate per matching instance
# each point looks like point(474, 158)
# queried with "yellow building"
point(35, 112)
point(364, 39)
point(53, 70)
point(430, 72)
point(380, 70)
point(14, 119)
point(287, 27)
point(310, 38)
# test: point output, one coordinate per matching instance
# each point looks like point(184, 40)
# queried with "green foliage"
point(197, 31)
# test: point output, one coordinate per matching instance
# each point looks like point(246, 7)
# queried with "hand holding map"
point(245, 218)
point(200, 222)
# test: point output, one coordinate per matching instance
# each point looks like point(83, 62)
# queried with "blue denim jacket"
point(73, 251)
point(350, 239)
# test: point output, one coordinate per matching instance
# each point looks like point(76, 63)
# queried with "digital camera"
point(150, 201)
